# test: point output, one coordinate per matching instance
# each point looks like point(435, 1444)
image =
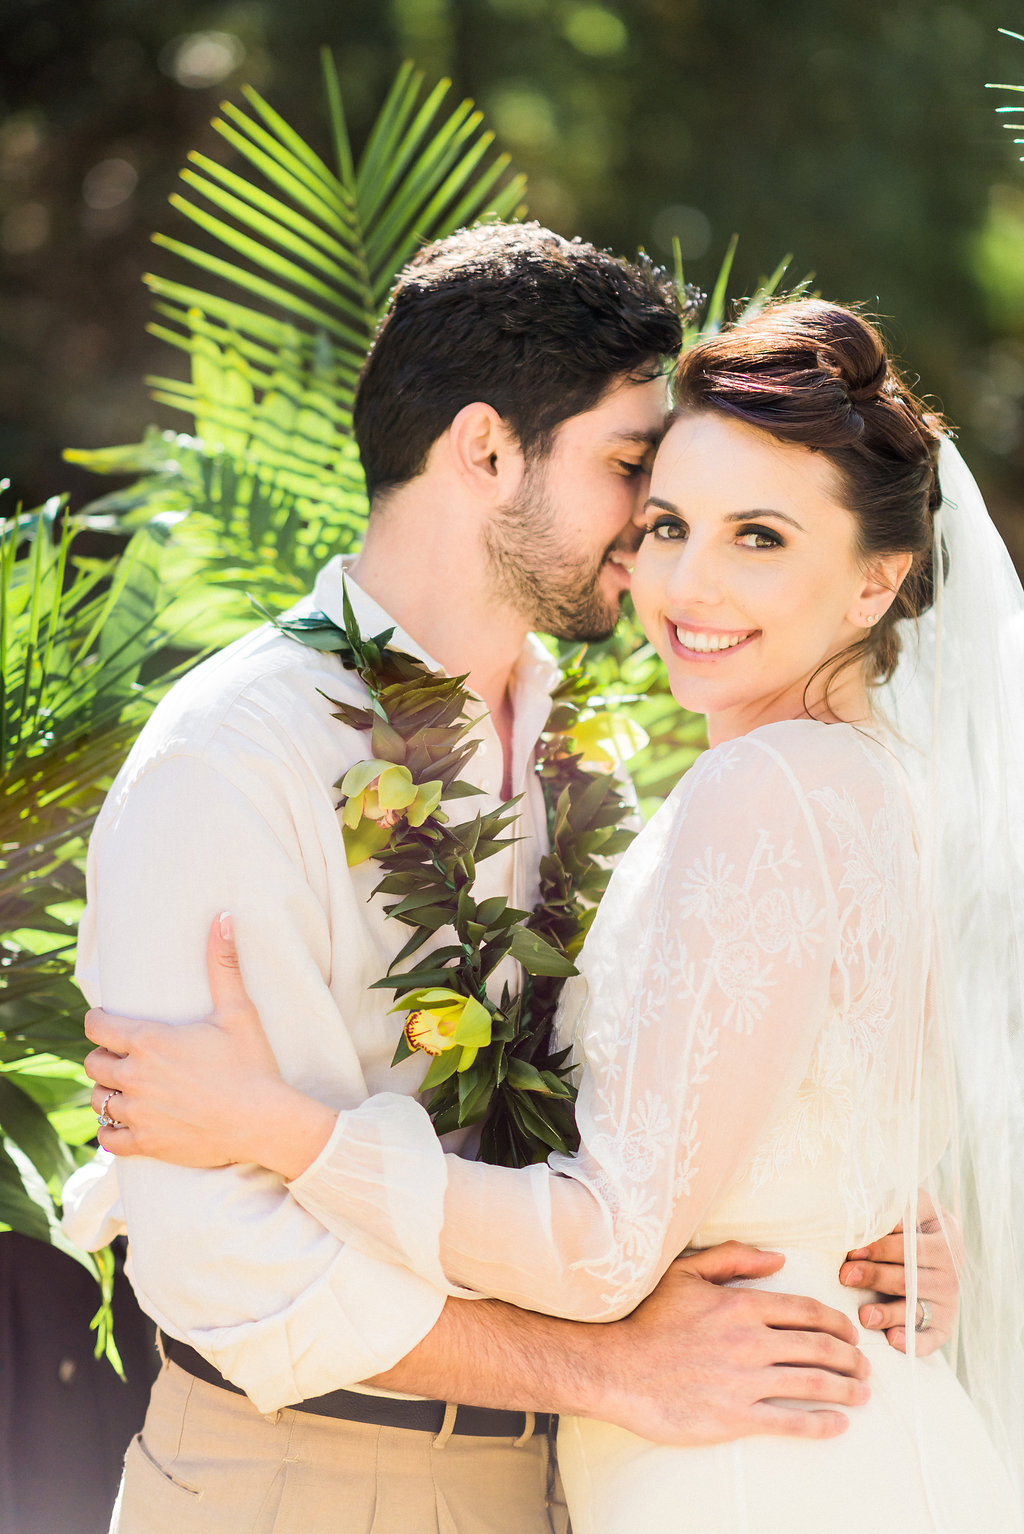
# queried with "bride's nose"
point(696, 577)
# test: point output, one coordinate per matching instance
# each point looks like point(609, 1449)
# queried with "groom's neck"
point(425, 566)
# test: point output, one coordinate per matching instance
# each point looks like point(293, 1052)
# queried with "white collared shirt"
point(228, 802)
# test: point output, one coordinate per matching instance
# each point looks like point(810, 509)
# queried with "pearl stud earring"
point(872, 618)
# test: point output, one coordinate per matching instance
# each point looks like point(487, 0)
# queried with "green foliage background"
point(667, 124)
point(859, 137)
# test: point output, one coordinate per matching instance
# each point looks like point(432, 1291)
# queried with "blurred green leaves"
point(75, 638)
point(595, 30)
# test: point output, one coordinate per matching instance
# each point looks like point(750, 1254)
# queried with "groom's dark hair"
point(537, 326)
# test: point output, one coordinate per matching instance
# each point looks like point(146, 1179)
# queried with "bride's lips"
point(706, 644)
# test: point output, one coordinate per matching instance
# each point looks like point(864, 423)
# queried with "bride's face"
point(748, 576)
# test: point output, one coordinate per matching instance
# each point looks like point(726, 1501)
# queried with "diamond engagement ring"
point(926, 1317)
point(104, 1121)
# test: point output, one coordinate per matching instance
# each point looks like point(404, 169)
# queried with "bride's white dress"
point(756, 1064)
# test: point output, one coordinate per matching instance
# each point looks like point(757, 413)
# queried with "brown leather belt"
point(379, 1411)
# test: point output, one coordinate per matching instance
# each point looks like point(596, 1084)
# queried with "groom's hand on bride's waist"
point(701, 1363)
point(695, 1363)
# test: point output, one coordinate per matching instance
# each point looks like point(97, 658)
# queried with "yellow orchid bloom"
point(442, 1020)
point(379, 795)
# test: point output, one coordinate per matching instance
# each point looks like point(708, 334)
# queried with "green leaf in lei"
point(493, 1064)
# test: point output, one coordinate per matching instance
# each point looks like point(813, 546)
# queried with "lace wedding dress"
point(756, 1063)
point(793, 955)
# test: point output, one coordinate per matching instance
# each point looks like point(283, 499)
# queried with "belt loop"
point(552, 1463)
point(527, 1432)
point(451, 1411)
point(160, 1348)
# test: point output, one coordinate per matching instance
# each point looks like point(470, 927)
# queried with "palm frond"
point(1016, 89)
point(319, 247)
point(302, 254)
point(720, 307)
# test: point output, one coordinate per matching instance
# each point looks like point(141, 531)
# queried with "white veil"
point(956, 704)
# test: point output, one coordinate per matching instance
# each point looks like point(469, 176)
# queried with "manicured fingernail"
point(873, 1316)
point(854, 1277)
point(227, 930)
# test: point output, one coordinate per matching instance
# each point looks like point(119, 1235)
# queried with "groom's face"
point(562, 552)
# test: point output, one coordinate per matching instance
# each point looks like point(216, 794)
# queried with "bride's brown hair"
point(818, 374)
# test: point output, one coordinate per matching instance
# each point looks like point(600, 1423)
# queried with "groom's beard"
point(541, 577)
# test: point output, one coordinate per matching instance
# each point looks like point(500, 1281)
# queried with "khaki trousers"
point(207, 1462)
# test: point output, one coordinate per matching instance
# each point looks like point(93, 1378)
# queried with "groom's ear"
point(485, 453)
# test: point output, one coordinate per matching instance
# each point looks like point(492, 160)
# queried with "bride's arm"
point(709, 968)
point(206, 1093)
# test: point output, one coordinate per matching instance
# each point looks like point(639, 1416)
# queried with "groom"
point(506, 419)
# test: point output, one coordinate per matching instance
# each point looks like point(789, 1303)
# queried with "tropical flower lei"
point(492, 1063)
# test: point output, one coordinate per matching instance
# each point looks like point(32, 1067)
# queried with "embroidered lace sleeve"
point(706, 980)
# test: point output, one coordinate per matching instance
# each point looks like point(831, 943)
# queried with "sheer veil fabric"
point(956, 709)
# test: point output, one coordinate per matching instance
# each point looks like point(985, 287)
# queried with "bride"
point(777, 1023)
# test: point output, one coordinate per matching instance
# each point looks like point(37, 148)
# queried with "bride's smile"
point(693, 642)
point(749, 579)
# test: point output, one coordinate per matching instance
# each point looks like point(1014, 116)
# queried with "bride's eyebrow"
point(734, 516)
point(764, 511)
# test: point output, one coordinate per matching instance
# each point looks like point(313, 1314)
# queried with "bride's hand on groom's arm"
point(880, 1266)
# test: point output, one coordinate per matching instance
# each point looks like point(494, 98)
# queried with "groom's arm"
point(696, 1363)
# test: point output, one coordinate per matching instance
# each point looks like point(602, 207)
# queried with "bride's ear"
point(882, 580)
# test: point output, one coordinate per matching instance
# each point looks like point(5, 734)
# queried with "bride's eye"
point(756, 537)
point(666, 529)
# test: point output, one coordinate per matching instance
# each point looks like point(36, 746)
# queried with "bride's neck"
point(842, 700)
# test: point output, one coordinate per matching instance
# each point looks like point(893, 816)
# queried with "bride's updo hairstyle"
point(818, 375)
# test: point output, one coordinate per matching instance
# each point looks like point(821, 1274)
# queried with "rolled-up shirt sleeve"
point(226, 1259)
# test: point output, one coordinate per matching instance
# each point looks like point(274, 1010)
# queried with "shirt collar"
point(534, 675)
point(336, 578)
